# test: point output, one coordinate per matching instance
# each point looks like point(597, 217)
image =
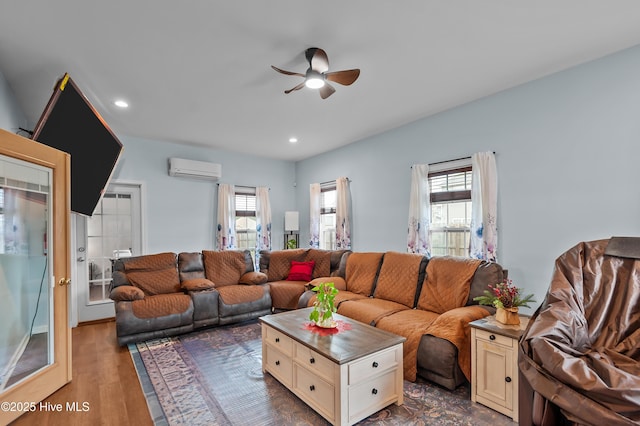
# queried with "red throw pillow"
point(301, 271)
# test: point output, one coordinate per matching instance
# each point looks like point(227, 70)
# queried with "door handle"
point(80, 259)
point(64, 281)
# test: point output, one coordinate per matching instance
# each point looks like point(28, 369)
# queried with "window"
point(450, 211)
point(108, 230)
point(328, 202)
point(246, 234)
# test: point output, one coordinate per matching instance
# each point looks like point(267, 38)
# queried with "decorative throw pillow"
point(197, 284)
point(301, 271)
point(253, 277)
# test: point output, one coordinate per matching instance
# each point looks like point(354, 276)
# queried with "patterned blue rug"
point(214, 377)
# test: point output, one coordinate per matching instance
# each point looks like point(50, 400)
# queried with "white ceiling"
point(198, 72)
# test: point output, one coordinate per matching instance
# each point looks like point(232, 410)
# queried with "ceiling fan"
point(317, 75)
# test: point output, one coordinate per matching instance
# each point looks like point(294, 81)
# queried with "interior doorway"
point(114, 230)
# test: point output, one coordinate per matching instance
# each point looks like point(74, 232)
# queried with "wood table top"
point(350, 341)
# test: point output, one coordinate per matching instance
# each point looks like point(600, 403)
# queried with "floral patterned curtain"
point(343, 221)
point(263, 221)
point(226, 229)
point(314, 215)
point(484, 207)
point(419, 211)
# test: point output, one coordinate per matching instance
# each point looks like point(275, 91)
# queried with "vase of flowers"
point(507, 299)
point(324, 307)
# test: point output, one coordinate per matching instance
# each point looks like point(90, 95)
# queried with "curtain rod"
point(246, 186)
point(449, 161)
point(331, 181)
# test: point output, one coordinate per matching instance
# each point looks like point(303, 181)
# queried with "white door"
point(114, 230)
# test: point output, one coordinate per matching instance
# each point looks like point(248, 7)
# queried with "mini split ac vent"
point(180, 167)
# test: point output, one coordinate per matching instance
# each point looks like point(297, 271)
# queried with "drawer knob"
point(374, 391)
point(492, 337)
point(375, 364)
point(277, 362)
point(507, 379)
point(277, 340)
point(312, 388)
point(312, 360)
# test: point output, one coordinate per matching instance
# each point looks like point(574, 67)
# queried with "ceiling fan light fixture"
point(314, 80)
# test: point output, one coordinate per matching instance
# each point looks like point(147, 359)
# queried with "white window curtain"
point(263, 220)
point(226, 229)
point(484, 206)
point(343, 221)
point(314, 215)
point(419, 211)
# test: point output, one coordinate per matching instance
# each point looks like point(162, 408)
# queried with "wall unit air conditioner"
point(180, 167)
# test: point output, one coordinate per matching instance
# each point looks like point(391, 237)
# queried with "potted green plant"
point(506, 299)
point(292, 244)
point(324, 307)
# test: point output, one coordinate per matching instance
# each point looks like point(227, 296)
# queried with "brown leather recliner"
point(579, 357)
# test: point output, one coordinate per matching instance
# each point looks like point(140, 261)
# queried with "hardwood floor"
point(103, 377)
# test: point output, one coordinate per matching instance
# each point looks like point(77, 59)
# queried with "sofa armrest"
point(454, 326)
point(338, 282)
point(126, 293)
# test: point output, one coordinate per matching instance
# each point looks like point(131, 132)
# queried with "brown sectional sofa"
point(430, 302)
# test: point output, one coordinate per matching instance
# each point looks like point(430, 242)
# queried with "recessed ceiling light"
point(293, 140)
point(121, 104)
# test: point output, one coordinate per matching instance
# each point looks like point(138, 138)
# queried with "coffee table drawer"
point(279, 365)
point(314, 390)
point(372, 365)
point(372, 395)
point(314, 362)
point(279, 340)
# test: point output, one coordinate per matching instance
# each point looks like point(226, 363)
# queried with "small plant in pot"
point(324, 307)
point(505, 297)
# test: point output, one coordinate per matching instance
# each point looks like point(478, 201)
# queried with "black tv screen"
point(71, 124)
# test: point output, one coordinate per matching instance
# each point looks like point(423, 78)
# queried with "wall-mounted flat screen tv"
point(71, 124)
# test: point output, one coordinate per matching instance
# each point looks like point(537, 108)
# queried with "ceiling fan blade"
point(326, 90)
point(345, 78)
point(318, 59)
point(298, 87)
point(287, 72)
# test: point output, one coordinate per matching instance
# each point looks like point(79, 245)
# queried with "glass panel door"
point(35, 336)
point(25, 299)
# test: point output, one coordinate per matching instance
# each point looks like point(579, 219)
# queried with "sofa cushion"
point(322, 259)
point(361, 272)
point(253, 278)
point(197, 284)
point(369, 310)
point(126, 293)
point(190, 265)
point(487, 273)
point(447, 282)
point(153, 273)
point(161, 305)
point(399, 277)
point(301, 271)
point(238, 294)
point(280, 263)
point(224, 267)
point(285, 294)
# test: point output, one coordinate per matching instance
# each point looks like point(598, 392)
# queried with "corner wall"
point(567, 150)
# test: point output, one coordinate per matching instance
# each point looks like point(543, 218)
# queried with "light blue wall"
point(11, 116)
point(181, 212)
point(567, 149)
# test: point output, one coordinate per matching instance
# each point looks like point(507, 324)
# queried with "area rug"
point(214, 377)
